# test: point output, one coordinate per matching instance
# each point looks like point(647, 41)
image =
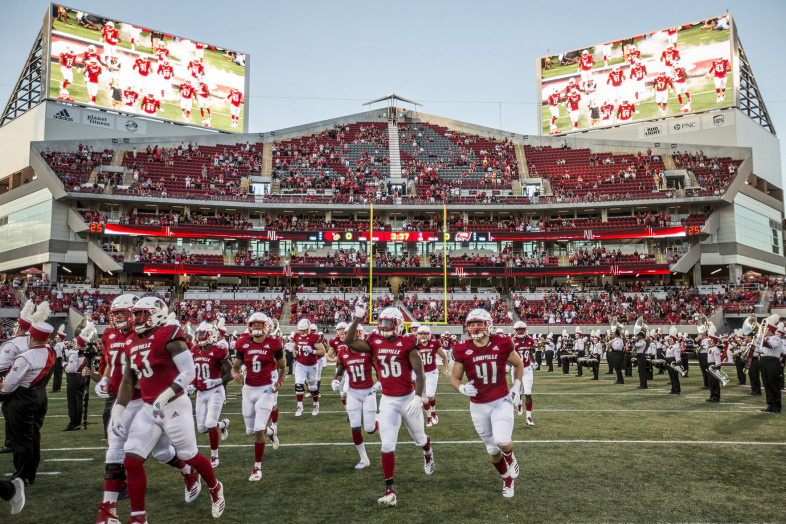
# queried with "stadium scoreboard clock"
point(692, 230)
point(96, 227)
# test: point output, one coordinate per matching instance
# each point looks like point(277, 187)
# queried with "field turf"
point(599, 453)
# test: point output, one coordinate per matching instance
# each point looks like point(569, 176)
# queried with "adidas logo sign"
point(63, 115)
point(175, 414)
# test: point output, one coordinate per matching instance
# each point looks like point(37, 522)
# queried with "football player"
point(523, 344)
point(395, 358)
point(663, 85)
point(429, 348)
point(334, 345)
point(111, 37)
point(202, 96)
point(235, 98)
point(160, 365)
point(720, 70)
point(360, 392)
point(616, 78)
point(92, 72)
point(586, 62)
point(308, 350)
point(680, 81)
point(483, 358)
point(67, 62)
point(187, 95)
point(213, 370)
point(265, 369)
point(143, 68)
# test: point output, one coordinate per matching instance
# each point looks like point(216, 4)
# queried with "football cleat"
point(256, 475)
point(193, 485)
point(217, 494)
point(214, 461)
point(388, 499)
point(428, 462)
point(18, 500)
point(435, 420)
point(364, 462)
point(138, 519)
point(529, 421)
point(307, 393)
point(107, 513)
point(225, 431)
point(520, 409)
point(429, 423)
point(274, 439)
point(513, 465)
point(315, 411)
point(299, 411)
point(274, 425)
point(507, 487)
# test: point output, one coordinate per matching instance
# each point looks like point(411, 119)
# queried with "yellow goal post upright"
point(444, 321)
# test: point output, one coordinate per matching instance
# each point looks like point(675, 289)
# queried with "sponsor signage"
point(131, 125)
point(652, 131)
point(95, 119)
point(684, 125)
point(63, 113)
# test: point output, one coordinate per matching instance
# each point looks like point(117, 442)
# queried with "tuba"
point(718, 373)
point(615, 326)
point(702, 325)
point(640, 327)
point(678, 368)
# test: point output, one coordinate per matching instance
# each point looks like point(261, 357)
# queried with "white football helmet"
point(303, 326)
point(424, 334)
point(520, 328)
point(259, 318)
point(390, 322)
point(313, 328)
point(413, 328)
point(204, 334)
point(341, 329)
point(120, 311)
point(478, 332)
point(149, 313)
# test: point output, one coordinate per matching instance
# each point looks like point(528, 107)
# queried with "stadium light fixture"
point(65, 269)
point(716, 271)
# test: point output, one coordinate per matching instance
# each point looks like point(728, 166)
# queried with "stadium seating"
point(235, 311)
point(74, 168)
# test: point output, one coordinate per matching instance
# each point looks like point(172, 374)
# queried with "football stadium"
point(184, 287)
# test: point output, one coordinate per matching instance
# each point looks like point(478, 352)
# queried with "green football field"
point(598, 453)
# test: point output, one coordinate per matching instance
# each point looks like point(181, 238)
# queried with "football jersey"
point(151, 362)
point(150, 105)
point(208, 364)
point(638, 72)
point(485, 366)
point(93, 72)
point(634, 55)
point(111, 36)
point(67, 60)
point(306, 343)
point(586, 62)
point(428, 354)
point(616, 78)
point(143, 66)
point(260, 359)
point(166, 71)
point(524, 348)
point(669, 57)
point(357, 366)
point(680, 75)
point(235, 97)
point(391, 358)
point(626, 111)
point(573, 101)
point(446, 343)
point(88, 56)
point(113, 353)
point(719, 67)
point(554, 99)
point(130, 97)
point(203, 90)
point(196, 69)
point(662, 83)
point(606, 111)
point(187, 91)
point(162, 52)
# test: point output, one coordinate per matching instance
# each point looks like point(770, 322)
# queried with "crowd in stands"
point(320, 312)
point(233, 311)
point(713, 174)
point(434, 310)
point(175, 218)
point(73, 168)
point(170, 255)
point(338, 258)
point(8, 296)
point(598, 256)
point(249, 258)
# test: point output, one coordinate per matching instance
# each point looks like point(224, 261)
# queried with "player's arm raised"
point(350, 339)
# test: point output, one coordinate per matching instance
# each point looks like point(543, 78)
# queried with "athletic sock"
point(502, 467)
point(137, 484)
point(357, 437)
point(200, 463)
point(388, 465)
point(213, 435)
point(259, 450)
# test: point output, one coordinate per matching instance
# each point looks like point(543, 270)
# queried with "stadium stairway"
point(267, 159)
point(688, 260)
point(405, 312)
point(395, 153)
point(102, 260)
point(762, 307)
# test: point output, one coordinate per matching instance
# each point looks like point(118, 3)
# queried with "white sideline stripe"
point(464, 442)
point(69, 460)
point(39, 473)
point(544, 410)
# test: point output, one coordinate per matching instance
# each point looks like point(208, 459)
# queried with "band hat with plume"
point(61, 331)
point(26, 315)
point(221, 326)
point(40, 330)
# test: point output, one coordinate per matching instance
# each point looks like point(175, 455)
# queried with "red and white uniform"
point(235, 98)
point(585, 66)
point(165, 74)
point(261, 365)
point(662, 86)
point(150, 105)
point(155, 370)
point(491, 408)
point(67, 62)
point(615, 80)
point(187, 95)
point(391, 359)
point(130, 97)
point(306, 369)
point(196, 69)
point(606, 111)
point(634, 55)
point(209, 400)
point(447, 345)
point(92, 72)
point(554, 105)
point(199, 50)
point(671, 35)
point(668, 57)
point(361, 402)
point(202, 95)
point(428, 354)
point(111, 37)
point(720, 69)
point(524, 348)
point(88, 56)
point(143, 68)
point(573, 106)
point(680, 80)
point(625, 112)
point(638, 75)
point(161, 53)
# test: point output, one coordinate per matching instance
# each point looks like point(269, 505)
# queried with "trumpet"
point(678, 368)
point(719, 374)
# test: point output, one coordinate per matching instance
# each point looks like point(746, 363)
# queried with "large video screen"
point(679, 70)
point(102, 62)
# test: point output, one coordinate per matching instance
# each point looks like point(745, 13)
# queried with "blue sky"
point(472, 61)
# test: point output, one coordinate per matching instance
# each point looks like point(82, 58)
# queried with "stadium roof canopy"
point(392, 98)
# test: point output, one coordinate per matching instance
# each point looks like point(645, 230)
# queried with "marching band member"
point(673, 354)
point(652, 353)
point(754, 371)
point(714, 358)
point(627, 356)
point(772, 350)
point(703, 341)
point(579, 348)
point(549, 351)
point(735, 345)
point(596, 350)
point(640, 347)
point(615, 349)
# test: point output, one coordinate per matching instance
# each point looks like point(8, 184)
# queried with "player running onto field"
point(680, 81)
point(308, 350)
point(160, 364)
point(720, 70)
point(429, 348)
point(395, 357)
point(523, 343)
point(663, 85)
point(483, 358)
point(361, 398)
point(263, 357)
point(213, 370)
point(235, 98)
